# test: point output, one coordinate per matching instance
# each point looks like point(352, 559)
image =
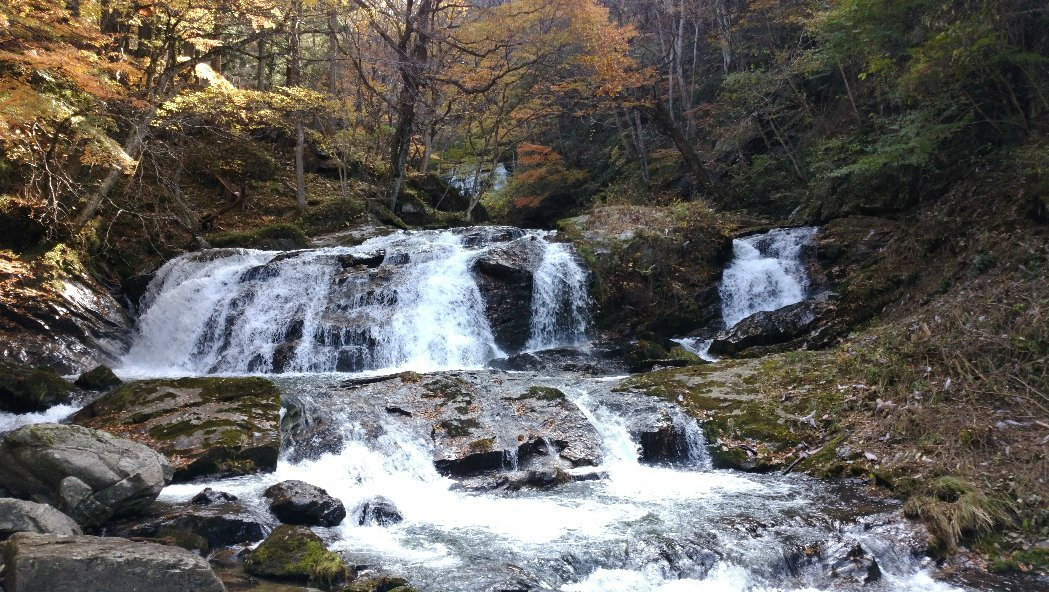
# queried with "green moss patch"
point(296, 553)
point(277, 237)
point(206, 426)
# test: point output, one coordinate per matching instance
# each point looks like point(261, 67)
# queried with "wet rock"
point(379, 584)
point(100, 379)
point(22, 516)
point(216, 525)
point(24, 390)
point(774, 327)
point(50, 563)
point(370, 260)
point(594, 362)
point(504, 276)
point(297, 502)
point(209, 496)
point(90, 475)
point(478, 422)
point(836, 559)
point(378, 511)
point(55, 315)
point(295, 553)
point(207, 426)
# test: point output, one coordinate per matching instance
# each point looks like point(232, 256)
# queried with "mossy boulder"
point(206, 426)
point(25, 390)
point(656, 269)
point(296, 553)
point(645, 355)
point(277, 237)
point(101, 378)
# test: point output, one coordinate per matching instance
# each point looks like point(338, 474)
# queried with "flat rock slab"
point(90, 475)
point(206, 426)
point(51, 563)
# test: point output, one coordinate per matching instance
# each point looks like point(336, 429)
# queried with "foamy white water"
point(235, 311)
point(12, 421)
point(766, 273)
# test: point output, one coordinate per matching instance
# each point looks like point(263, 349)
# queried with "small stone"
point(378, 511)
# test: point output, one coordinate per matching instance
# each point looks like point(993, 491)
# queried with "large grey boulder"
point(90, 475)
point(51, 563)
point(21, 516)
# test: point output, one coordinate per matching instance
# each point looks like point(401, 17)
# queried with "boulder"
point(377, 511)
point(101, 378)
point(25, 390)
point(207, 426)
point(295, 553)
point(297, 502)
point(655, 269)
point(789, 323)
point(90, 475)
point(55, 315)
point(50, 563)
point(217, 525)
point(22, 516)
point(478, 422)
point(504, 275)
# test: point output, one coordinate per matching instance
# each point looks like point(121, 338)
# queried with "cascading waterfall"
point(560, 300)
point(417, 305)
point(639, 528)
point(766, 273)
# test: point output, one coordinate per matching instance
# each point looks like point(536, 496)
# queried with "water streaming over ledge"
point(766, 273)
point(409, 300)
point(413, 301)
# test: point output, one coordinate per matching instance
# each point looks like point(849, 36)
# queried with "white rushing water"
point(245, 311)
point(560, 300)
point(766, 273)
point(639, 528)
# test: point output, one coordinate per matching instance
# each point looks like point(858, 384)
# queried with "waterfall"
point(560, 300)
point(766, 273)
point(409, 300)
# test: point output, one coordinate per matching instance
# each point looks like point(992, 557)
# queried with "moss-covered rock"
point(277, 237)
point(645, 355)
point(655, 269)
point(206, 426)
point(101, 378)
point(296, 553)
point(744, 431)
point(24, 390)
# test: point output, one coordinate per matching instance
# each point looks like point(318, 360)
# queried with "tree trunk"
point(132, 147)
point(663, 119)
point(294, 77)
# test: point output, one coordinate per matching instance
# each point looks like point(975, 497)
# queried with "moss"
point(296, 553)
point(333, 215)
point(277, 237)
point(24, 390)
point(1036, 559)
point(101, 378)
point(457, 428)
point(484, 445)
point(541, 393)
point(410, 377)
